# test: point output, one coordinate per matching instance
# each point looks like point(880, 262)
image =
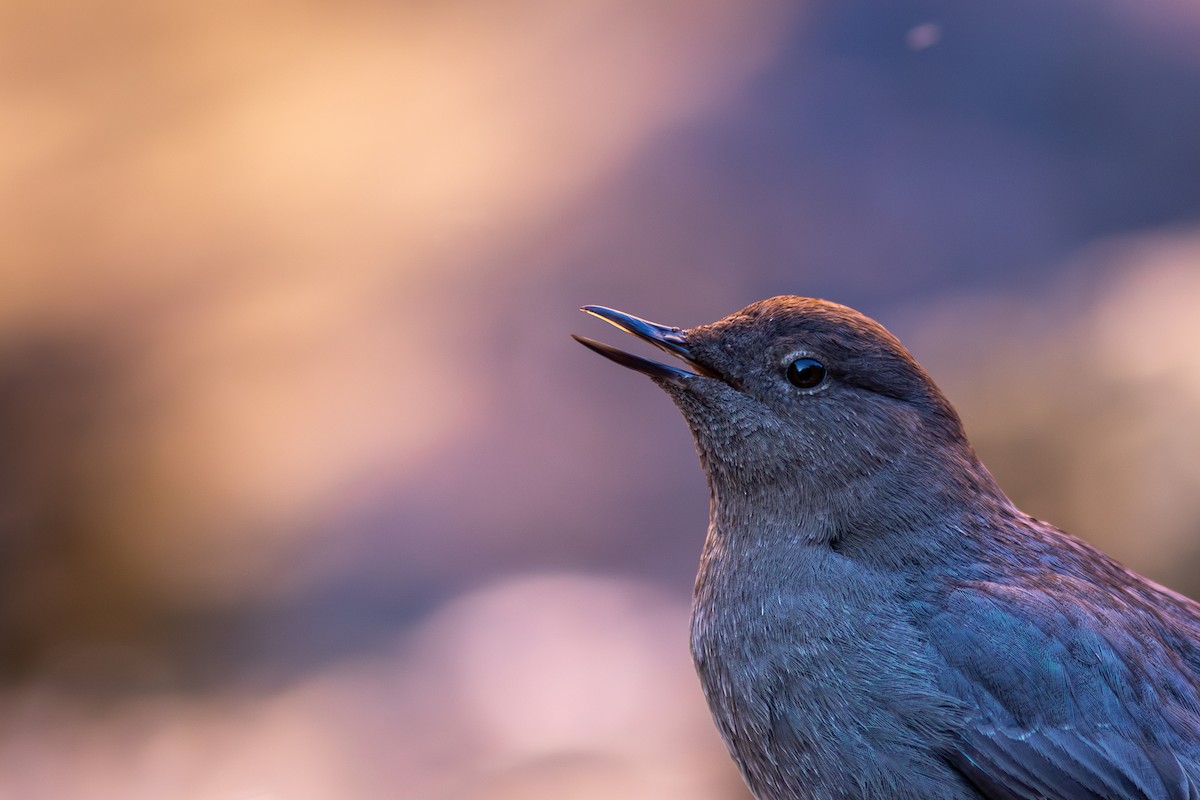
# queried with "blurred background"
point(305, 492)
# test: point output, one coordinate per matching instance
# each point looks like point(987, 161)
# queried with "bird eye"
point(806, 373)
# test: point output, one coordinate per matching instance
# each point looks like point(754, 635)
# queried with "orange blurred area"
point(304, 491)
point(250, 229)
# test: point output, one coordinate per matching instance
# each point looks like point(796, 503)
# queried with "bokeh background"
point(305, 493)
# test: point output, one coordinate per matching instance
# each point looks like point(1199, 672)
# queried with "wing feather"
point(1079, 710)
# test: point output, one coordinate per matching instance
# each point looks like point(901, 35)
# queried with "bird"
point(873, 617)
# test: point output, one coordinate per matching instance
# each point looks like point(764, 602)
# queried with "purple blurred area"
point(305, 492)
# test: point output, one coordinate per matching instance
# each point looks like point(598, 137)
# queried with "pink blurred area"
point(537, 686)
point(304, 491)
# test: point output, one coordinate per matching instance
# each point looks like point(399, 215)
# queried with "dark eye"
point(806, 373)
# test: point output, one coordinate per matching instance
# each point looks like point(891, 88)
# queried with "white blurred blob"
point(580, 681)
point(922, 36)
point(540, 687)
point(1150, 327)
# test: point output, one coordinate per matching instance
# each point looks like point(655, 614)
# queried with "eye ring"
point(806, 373)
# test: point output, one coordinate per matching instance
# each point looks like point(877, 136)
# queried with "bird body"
point(873, 618)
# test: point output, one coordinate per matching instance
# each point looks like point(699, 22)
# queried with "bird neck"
point(916, 507)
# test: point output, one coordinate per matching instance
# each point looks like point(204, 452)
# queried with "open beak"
point(671, 340)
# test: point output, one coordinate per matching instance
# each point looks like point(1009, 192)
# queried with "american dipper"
point(873, 617)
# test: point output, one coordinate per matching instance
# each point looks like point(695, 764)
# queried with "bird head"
point(804, 406)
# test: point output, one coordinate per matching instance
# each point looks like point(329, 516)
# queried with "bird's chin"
point(722, 419)
point(701, 394)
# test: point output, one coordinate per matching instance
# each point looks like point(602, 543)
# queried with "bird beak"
point(672, 340)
